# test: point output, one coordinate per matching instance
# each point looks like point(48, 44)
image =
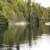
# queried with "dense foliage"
point(17, 10)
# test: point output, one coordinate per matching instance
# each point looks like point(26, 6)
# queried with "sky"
point(44, 3)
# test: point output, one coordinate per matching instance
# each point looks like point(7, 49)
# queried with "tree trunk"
point(18, 46)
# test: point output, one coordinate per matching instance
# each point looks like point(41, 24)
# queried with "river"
point(42, 43)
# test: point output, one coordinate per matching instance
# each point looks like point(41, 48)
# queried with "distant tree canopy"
point(13, 10)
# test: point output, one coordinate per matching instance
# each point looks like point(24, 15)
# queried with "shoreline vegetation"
point(17, 11)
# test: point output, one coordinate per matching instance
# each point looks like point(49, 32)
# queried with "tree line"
point(17, 10)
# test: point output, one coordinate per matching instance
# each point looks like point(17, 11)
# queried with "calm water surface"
point(42, 43)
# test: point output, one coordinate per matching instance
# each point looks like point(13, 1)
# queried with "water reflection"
point(20, 36)
point(41, 43)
